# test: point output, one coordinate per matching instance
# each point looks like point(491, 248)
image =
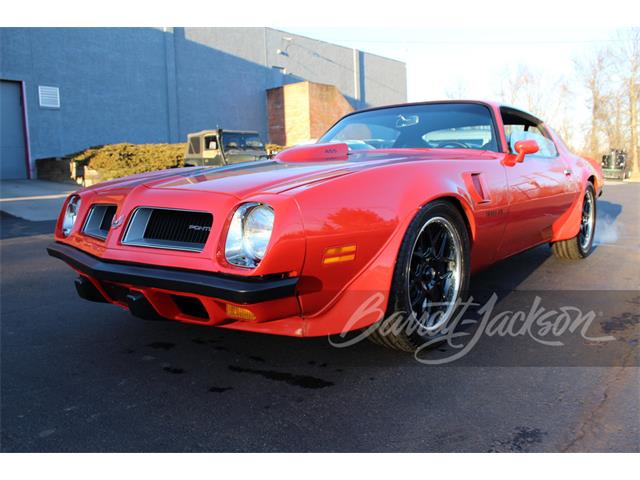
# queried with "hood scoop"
point(322, 152)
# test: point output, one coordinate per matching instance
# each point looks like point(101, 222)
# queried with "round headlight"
point(257, 231)
point(249, 234)
point(70, 215)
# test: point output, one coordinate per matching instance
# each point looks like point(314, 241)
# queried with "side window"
point(210, 143)
point(547, 147)
point(194, 145)
point(518, 128)
point(472, 136)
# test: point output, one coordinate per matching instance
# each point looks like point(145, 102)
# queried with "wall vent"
point(49, 96)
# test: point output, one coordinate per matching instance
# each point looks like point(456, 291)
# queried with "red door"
point(538, 196)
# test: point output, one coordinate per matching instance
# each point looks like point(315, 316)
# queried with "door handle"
point(568, 172)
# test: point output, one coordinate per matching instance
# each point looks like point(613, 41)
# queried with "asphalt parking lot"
point(78, 376)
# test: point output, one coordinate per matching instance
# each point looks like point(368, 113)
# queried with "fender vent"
point(477, 184)
point(477, 187)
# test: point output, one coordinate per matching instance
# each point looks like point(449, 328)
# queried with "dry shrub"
point(122, 159)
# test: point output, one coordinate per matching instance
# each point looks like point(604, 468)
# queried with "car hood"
point(273, 176)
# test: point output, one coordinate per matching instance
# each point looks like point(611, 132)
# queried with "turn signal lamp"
point(346, 253)
point(240, 313)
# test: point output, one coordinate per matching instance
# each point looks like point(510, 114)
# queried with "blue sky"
point(441, 59)
point(472, 62)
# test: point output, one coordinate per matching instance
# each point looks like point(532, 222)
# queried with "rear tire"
point(581, 245)
point(432, 272)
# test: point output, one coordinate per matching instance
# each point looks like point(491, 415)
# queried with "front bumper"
point(232, 289)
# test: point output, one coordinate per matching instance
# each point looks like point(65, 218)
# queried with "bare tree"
point(611, 77)
point(458, 91)
point(628, 56)
point(521, 87)
point(510, 85)
point(593, 71)
point(561, 115)
point(614, 118)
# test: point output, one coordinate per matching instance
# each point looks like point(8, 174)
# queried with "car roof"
point(489, 103)
point(428, 102)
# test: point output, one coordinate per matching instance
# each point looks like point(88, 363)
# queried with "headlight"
point(70, 215)
point(249, 234)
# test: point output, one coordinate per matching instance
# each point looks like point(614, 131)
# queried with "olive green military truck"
point(223, 147)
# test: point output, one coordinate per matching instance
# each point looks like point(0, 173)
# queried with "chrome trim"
point(90, 218)
point(587, 221)
point(235, 260)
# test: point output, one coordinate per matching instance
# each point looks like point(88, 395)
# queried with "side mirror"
point(525, 147)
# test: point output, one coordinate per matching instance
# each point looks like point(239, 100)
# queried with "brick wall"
point(326, 106)
point(296, 112)
point(275, 116)
point(302, 111)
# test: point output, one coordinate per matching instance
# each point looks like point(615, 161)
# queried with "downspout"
point(25, 127)
point(356, 76)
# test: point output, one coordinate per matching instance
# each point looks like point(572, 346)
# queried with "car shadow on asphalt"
point(307, 363)
point(13, 227)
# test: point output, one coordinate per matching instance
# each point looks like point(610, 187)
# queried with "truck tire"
point(581, 245)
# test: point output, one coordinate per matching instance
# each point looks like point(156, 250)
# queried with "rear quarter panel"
point(584, 170)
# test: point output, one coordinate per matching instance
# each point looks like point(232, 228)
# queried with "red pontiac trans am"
point(398, 203)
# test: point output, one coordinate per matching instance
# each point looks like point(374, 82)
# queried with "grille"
point(172, 229)
point(99, 221)
point(174, 225)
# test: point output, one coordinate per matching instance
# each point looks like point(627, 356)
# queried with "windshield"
point(437, 125)
point(241, 141)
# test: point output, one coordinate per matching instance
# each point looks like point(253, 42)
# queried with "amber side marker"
point(346, 253)
point(240, 313)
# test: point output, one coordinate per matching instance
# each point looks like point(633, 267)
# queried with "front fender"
point(367, 214)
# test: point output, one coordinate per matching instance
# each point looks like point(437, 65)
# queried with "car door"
point(538, 188)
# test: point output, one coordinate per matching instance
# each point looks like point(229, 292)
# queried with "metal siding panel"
point(12, 139)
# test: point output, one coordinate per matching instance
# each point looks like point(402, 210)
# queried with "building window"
point(49, 97)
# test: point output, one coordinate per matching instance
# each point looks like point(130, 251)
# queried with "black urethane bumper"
point(233, 289)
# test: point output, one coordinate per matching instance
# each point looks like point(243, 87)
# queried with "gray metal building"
point(65, 89)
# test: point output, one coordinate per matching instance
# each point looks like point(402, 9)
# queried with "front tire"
point(431, 274)
point(581, 245)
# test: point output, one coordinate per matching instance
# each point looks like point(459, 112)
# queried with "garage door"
point(12, 142)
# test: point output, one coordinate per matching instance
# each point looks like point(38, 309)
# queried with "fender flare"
point(568, 225)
